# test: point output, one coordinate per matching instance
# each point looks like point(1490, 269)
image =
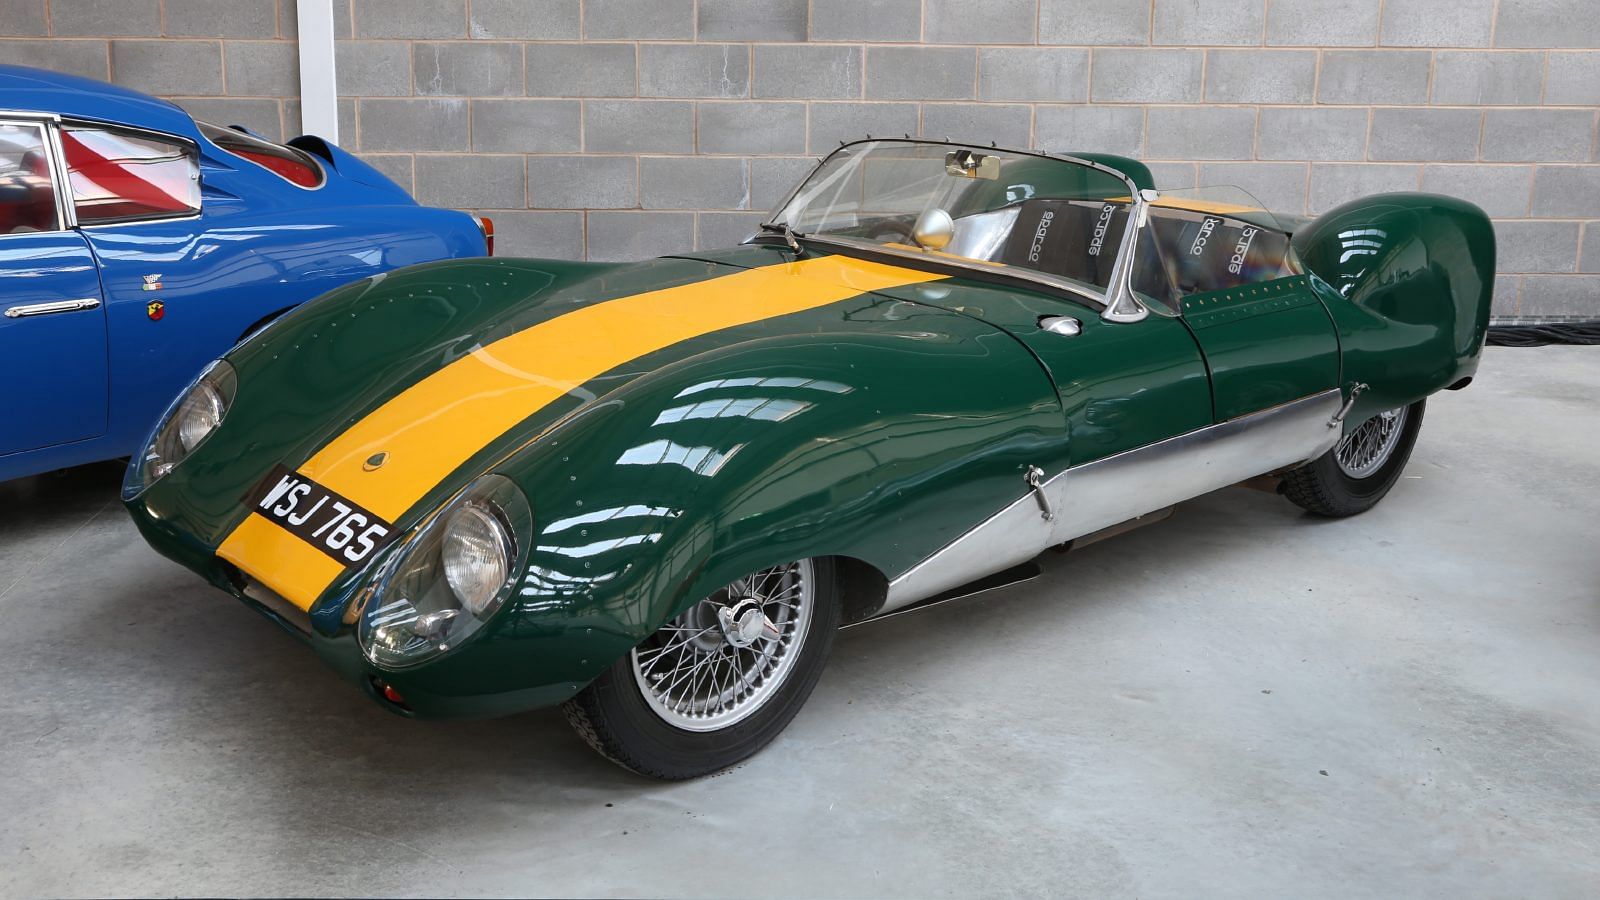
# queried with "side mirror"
point(934, 229)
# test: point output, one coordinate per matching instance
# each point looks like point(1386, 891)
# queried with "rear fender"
point(1407, 279)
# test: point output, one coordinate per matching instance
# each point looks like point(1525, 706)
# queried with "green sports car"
point(652, 492)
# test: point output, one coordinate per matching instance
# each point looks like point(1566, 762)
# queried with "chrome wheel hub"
point(725, 657)
point(1365, 449)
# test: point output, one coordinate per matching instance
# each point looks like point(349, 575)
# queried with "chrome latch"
point(1356, 390)
point(1035, 479)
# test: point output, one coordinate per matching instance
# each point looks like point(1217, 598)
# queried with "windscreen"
point(1011, 209)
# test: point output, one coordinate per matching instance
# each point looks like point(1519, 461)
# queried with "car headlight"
point(450, 578)
point(192, 417)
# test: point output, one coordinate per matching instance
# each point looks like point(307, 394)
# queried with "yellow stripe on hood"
point(434, 426)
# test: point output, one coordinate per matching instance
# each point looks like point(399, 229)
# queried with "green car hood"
point(431, 367)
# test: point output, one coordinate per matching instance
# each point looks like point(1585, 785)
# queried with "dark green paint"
point(897, 422)
point(1412, 312)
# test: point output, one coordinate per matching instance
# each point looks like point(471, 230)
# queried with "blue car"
point(137, 244)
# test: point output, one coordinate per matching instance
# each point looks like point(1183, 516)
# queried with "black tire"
point(615, 718)
point(1323, 487)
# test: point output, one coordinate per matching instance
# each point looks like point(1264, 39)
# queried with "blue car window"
point(120, 176)
point(27, 194)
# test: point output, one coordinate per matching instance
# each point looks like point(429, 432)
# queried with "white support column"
point(319, 92)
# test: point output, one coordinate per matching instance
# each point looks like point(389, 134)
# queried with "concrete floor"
point(1244, 701)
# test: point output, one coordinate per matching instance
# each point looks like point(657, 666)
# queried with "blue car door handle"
point(45, 309)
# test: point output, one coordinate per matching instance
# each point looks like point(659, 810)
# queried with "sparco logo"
point(1100, 227)
point(1038, 236)
point(1236, 264)
point(1199, 245)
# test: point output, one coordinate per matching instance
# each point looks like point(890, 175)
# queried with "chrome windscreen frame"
point(1118, 303)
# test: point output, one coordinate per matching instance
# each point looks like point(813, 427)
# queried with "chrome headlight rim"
point(221, 382)
point(416, 560)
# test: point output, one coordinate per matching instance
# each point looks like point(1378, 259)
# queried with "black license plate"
point(332, 524)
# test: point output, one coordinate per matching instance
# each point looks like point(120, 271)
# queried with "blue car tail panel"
point(52, 342)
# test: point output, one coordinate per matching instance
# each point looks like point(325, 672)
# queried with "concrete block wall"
point(619, 128)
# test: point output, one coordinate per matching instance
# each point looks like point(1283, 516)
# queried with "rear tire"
point(714, 685)
point(1357, 473)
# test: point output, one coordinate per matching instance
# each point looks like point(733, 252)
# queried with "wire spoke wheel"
point(1365, 450)
point(727, 655)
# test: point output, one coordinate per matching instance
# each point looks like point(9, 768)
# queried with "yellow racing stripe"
point(434, 426)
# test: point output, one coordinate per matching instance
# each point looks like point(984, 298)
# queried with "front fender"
point(881, 439)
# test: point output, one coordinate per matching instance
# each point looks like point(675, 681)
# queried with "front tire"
point(1357, 473)
point(718, 682)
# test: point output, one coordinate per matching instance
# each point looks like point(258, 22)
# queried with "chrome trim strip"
point(54, 306)
point(1117, 488)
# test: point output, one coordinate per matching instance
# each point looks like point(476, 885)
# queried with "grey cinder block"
point(23, 18)
point(1191, 22)
point(581, 70)
point(414, 125)
point(538, 233)
point(694, 182)
point(1059, 75)
point(980, 123)
point(1083, 129)
point(835, 122)
point(1560, 295)
point(1487, 78)
point(853, 20)
point(638, 126)
point(1315, 133)
point(1589, 258)
point(1336, 183)
point(1374, 76)
point(1323, 23)
point(1279, 187)
point(411, 19)
point(1506, 294)
point(623, 236)
point(98, 18)
point(1146, 76)
point(1537, 135)
point(166, 68)
point(1094, 22)
point(262, 68)
point(1432, 135)
point(1174, 176)
point(85, 58)
point(751, 127)
point(1571, 192)
point(471, 181)
point(521, 20)
point(1502, 191)
point(397, 167)
point(583, 182)
point(1534, 247)
point(527, 126)
point(650, 20)
point(921, 73)
point(1547, 23)
point(716, 230)
point(221, 18)
point(694, 70)
point(467, 69)
point(751, 20)
point(1260, 76)
point(1573, 78)
point(807, 72)
point(774, 178)
point(373, 68)
point(978, 22)
point(1437, 23)
point(1204, 132)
